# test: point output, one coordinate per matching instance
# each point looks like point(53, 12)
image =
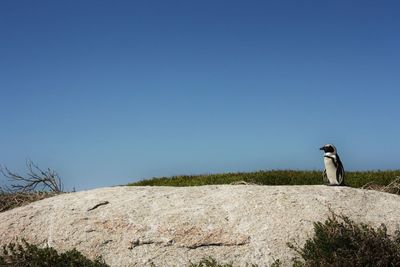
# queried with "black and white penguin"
point(334, 171)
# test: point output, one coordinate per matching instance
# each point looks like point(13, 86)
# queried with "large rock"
point(134, 226)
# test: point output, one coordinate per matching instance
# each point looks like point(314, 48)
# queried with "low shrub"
point(23, 254)
point(340, 241)
point(209, 262)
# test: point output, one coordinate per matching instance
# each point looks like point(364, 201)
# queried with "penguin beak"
point(322, 148)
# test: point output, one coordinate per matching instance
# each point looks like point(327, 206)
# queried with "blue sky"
point(109, 92)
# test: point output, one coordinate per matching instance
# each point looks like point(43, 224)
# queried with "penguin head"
point(328, 148)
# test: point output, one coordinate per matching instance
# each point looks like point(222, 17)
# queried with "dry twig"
point(35, 179)
point(393, 187)
point(13, 200)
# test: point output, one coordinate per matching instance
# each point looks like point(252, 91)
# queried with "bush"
point(342, 242)
point(27, 255)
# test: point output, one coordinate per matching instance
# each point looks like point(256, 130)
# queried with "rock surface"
point(169, 226)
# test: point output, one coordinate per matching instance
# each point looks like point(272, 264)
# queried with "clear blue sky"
point(109, 92)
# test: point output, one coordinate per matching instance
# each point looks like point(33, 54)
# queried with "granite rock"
point(170, 226)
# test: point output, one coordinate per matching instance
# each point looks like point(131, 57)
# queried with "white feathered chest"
point(331, 169)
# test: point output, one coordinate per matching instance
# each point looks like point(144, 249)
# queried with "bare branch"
point(46, 179)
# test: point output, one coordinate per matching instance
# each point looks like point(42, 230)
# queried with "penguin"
point(334, 171)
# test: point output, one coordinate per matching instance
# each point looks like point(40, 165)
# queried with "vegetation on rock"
point(209, 262)
point(340, 241)
point(23, 254)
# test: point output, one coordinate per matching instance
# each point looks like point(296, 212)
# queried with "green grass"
point(273, 177)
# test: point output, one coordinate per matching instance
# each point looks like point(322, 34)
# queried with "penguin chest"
point(330, 170)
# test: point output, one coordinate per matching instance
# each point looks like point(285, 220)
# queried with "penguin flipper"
point(340, 174)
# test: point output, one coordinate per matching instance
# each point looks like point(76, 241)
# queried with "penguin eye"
point(329, 149)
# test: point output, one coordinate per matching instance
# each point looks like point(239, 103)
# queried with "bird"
point(334, 171)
